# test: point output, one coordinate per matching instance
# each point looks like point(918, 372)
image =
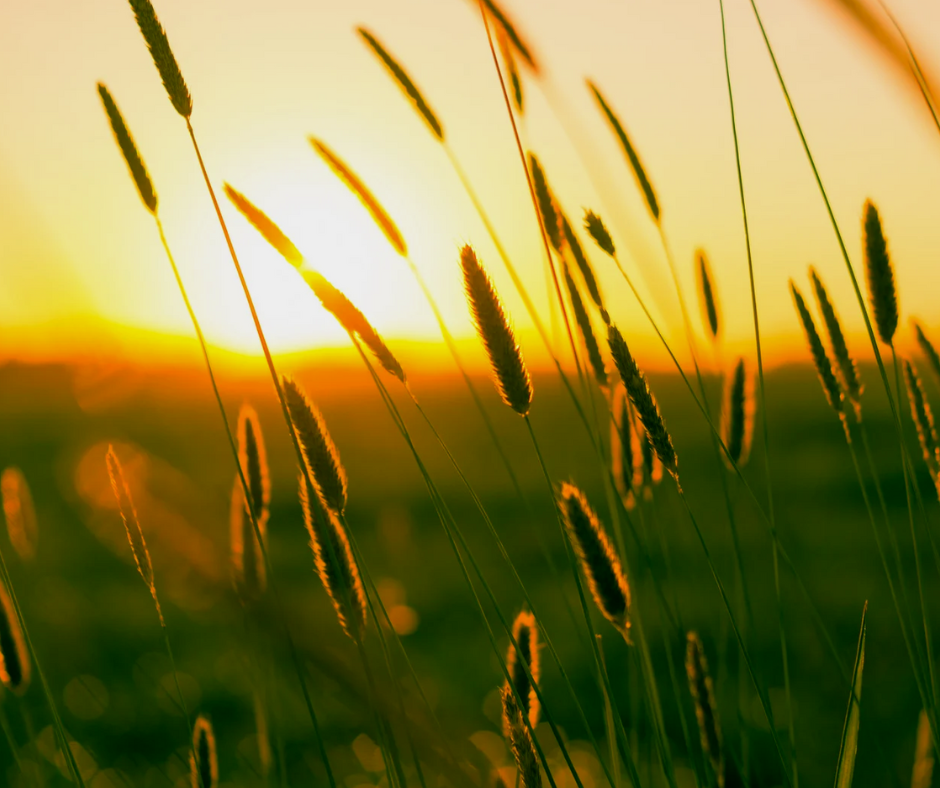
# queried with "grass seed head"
point(203, 761)
point(20, 514)
point(706, 710)
point(163, 59)
point(922, 773)
point(737, 415)
point(512, 376)
point(586, 330)
point(15, 665)
point(548, 210)
point(597, 557)
point(404, 82)
point(253, 458)
point(515, 78)
point(520, 741)
point(248, 570)
point(927, 348)
point(357, 187)
point(626, 454)
point(506, 25)
point(526, 634)
point(266, 226)
point(129, 149)
point(708, 296)
point(350, 318)
point(830, 384)
point(845, 364)
point(629, 151)
point(642, 398)
point(135, 535)
point(334, 563)
point(584, 265)
point(923, 417)
point(879, 275)
point(598, 231)
point(320, 453)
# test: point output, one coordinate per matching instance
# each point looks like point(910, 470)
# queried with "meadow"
point(358, 572)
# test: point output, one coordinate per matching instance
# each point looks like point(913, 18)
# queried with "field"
point(96, 631)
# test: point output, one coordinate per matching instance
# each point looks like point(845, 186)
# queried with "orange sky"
point(81, 260)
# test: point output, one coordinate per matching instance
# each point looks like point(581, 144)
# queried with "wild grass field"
point(364, 571)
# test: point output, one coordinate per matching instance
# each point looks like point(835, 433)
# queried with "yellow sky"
point(76, 245)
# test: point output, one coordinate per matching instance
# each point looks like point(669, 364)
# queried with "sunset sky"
point(82, 263)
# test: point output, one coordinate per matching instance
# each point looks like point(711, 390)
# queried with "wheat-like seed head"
point(512, 376)
point(357, 187)
point(320, 453)
point(879, 275)
point(253, 457)
point(525, 632)
point(626, 454)
point(515, 78)
point(586, 330)
point(584, 266)
point(512, 33)
point(163, 59)
point(249, 575)
point(548, 210)
point(706, 710)
point(830, 384)
point(923, 417)
point(334, 563)
point(203, 761)
point(597, 557)
point(651, 467)
point(629, 151)
point(15, 665)
point(129, 149)
point(135, 535)
point(520, 741)
point(737, 415)
point(642, 398)
point(266, 226)
point(20, 514)
point(598, 231)
point(405, 83)
point(350, 318)
point(927, 348)
point(708, 296)
point(848, 371)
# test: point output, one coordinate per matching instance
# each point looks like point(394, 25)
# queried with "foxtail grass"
point(927, 348)
point(253, 458)
point(163, 58)
point(922, 771)
point(320, 452)
point(249, 574)
point(264, 225)
point(128, 148)
point(522, 47)
point(515, 78)
point(335, 564)
point(584, 266)
point(737, 414)
point(922, 415)
point(20, 513)
point(702, 690)
point(525, 632)
point(548, 211)
point(596, 555)
point(357, 187)
point(827, 378)
point(203, 761)
point(845, 364)
point(625, 450)
point(492, 324)
point(708, 296)
point(879, 275)
point(583, 321)
point(520, 741)
point(15, 665)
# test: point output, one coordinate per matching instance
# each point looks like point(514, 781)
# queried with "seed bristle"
point(135, 535)
point(320, 453)
point(334, 563)
point(520, 741)
point(20, 513)
point(357, 187)
point(629, 151)
point(597, 557)
point(163, 58)
point(512, 376)
point(129, 149)
point(879, 275)
point(404, 82)
point(266, 226)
